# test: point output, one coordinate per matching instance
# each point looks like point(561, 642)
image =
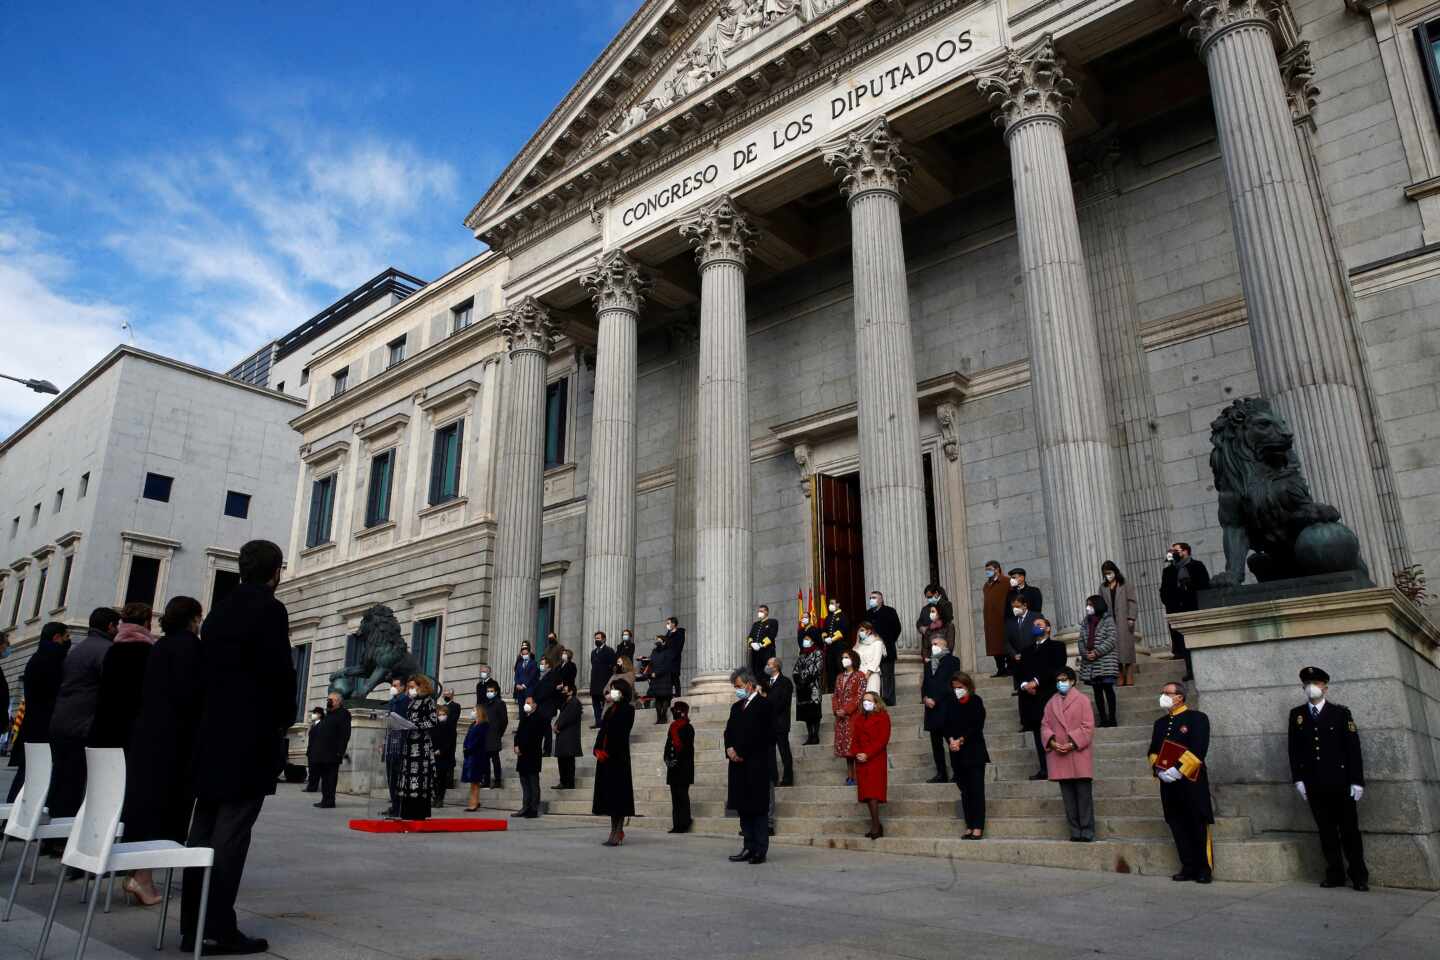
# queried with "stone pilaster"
point(619, 291)
point(892, 483)
point(529, 334)
point(722, 237)
point(1303, 356)
point(1077, 474)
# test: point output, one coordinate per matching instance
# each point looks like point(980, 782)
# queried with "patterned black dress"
point(417, 773)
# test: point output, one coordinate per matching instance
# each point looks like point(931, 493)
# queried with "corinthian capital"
point(719, 232)
point(1211, 18)
point(867, 158)
point(1030, 83)
point(528, 327)
point(616, 283)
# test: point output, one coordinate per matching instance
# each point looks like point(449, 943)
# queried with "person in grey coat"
point(74, 715)
point(567, 735)
point(1099, 660)
point(497, 719)
point(1125, 609)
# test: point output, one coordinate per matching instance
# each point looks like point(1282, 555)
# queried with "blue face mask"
point(740, 693)
point(1037, 631)
point(872, 603)
point(1063, 686)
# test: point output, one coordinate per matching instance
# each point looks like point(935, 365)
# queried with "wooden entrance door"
point(840, 547)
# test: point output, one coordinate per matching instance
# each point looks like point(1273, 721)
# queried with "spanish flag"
point(799, 606)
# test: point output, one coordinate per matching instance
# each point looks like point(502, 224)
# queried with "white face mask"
point(413, 691)
point(834, 607)
point(937, 650)
point(1089, 611)
point(1014, 582)
point(934, 616)
point(1170, 556)
point(565, 657)
point(807, 643)
point(759, 614)
point(1109, 574)
point(961, 693)
point(872, 603)
point(484, 675)
point(529, 708)
point(625, 636)
point(616, 696)
point(1018, 611)
point(1314, 692)
point(395, 691)
point(1167, 702)
point(845, 662)
point(804, 621)
point(869, 706)
point(489, 694)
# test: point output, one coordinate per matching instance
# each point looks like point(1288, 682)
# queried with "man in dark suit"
point(602, 667)
point(749, 740)
point(1019, 635)
point(1329, 774)
point(248, 706)
point(761, 641)
point(329, 739)
point(1185, 784)
point(940, 666)
point(445, 735)
point(1044, 659)
point(887, 625)
point(1180, 581)
point(41, 685)
point(675, 643)
point(1020, 587)
point(781, 694)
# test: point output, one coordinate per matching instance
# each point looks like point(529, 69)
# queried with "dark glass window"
point(354, 650)
point(61, 600)
point(397, 352)
point(157, 487)
point(322, 510)
point(1427, 35)
point(445, 463)
point(544, 621)
point(15, 607)
point(237, 504)
point(377, 500)
point(144, 577)
point(225, 581)
point(555, 396)
point(84, 484)
point(460, 316)
point(425, 646)
point(40, 591)
point(341, 379)
point(300, 656)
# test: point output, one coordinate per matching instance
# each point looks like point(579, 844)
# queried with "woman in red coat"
point(872, 735)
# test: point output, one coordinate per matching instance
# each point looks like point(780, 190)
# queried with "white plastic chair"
point(92, 848)
point(28, 821)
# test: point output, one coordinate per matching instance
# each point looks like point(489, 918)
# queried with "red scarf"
point(675, 728)
point(1092, 623)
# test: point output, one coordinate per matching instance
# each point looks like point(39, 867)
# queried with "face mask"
point(565, 657)
point(1109, 574)
point(1014, 582)
point(524, 658)
point(413, 691)
point(1089, 611)
point(759, 614)
point(529, 708)
point(934, 616)
point(845, 662)
point(807, 644)
point(484, 675)
point(740, 693)
point(599, 642)
point(804, 621)
point(834, 607)
point(1170, 557)
point(1037, 631)
point(1062, 686)
point(449, 697)
point(864, 637)
point(1167, 702)
point(961, 693)
point(625, 636)
point(1314, 692)
point(395, 691)
point(1018, 611)
point(769, 671)
point(616, 696)
point(489, 694)
point(872, 603)
point(869, 706)
point(990, 574)
point(937, 650)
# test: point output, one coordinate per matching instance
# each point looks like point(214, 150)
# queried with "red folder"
point(1170, 754)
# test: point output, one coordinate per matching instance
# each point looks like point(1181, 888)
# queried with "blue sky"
point(213, 178)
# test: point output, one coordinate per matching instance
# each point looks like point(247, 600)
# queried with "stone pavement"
point(547, 888)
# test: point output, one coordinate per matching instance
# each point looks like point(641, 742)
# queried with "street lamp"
point(39, 386)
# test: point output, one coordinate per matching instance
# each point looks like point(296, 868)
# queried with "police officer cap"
point(1309, 674)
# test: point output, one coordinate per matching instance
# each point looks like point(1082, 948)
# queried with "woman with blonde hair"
point(872, 737)
point(845, 703)
point(624, 670)
point(417, 757)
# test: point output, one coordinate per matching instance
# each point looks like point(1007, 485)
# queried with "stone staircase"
point(1025, 820)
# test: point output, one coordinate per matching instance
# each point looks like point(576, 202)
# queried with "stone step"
point(943, 809)
point(1020, 828)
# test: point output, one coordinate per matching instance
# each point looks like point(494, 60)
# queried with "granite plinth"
point(1284, 589)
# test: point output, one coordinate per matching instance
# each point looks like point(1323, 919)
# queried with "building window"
point(445, 463)
point(544, 621)
point(341, 380)
point(460, 316)
point(354, 650)
point(377, 500)
point(300, 656)
point(157, 487)
point(15, 604)
point(40, 592)
point(59, 499)
point(225, 581)
point(396, 352)
point(144, 578)
point(1427, 35)
point(84, 485)
point(322, 510)
point(304, 376)
point(280, 387)
point(34, 514)
point(65, 571)
point(237, 504)
point(14, 527)
point(555, 397)
point(425, 646)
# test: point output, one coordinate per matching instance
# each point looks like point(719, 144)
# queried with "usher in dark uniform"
point(1187, 802)
point(764, 633)
point(1325, 756)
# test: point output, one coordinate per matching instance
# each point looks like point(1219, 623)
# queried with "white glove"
point(1171, 775)
point(1300, 789)
point(1357, 792)
point(754, 646)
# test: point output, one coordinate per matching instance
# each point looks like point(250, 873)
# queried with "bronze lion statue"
point(383, 654)
point(1265, 503)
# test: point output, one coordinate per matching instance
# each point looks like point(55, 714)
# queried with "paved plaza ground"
point(547, 888)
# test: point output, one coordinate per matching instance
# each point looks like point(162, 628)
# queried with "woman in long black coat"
point(680, 766)
point(614, 789)
point(749, 742)
point(41, 684)
point(663, 667)
point(567, 736)
point(963, 714)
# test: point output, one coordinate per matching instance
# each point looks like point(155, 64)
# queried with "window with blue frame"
point(425, 646)
point(377, 498)
point(556, 395)
point(445, 463)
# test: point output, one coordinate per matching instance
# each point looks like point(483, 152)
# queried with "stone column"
point(529, 335)
point(722, 237)
point(684, 339)
point(609, 601)
point(892, 480)
point(1297, 320)
point(1077, 475)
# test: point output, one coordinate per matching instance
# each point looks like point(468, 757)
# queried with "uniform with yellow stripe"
point(1186, 802)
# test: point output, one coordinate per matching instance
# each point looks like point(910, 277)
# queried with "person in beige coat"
point(1126, 609)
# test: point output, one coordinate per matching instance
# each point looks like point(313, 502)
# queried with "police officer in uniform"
point(760, 643)
point(835, 633)
point(1184, 783)
point(1326, 766)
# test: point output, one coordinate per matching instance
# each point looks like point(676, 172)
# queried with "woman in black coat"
point(614, 790)
point(567, 735)
point(963, 715)
point(680, 766)
point(497, 719)
point(663, 667)
point(41, 683)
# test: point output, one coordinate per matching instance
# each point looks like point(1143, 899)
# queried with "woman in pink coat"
point(1068, 732)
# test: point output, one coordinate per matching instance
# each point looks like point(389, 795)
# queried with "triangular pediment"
point(667, 53)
